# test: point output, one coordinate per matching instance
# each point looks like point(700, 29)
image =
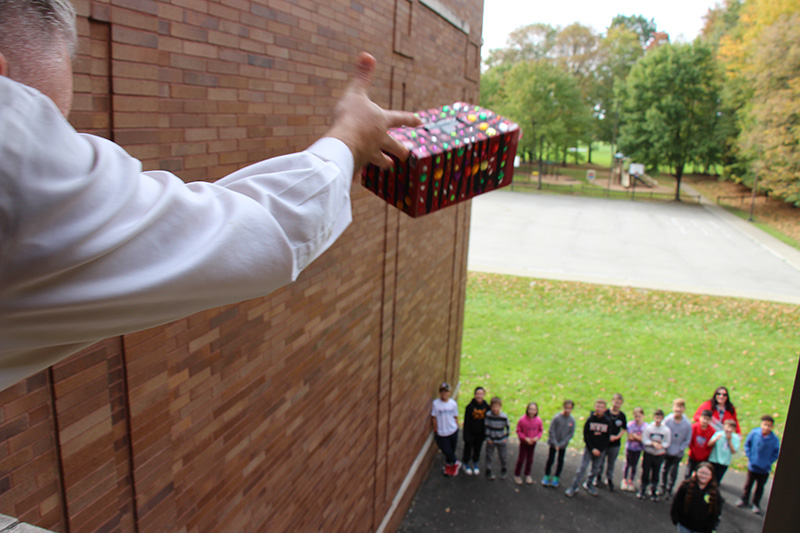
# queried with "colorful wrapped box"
point(458, 152)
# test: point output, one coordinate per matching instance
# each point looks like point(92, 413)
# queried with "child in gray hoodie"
point(562, 428)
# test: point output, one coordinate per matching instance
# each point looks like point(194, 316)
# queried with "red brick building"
point(301, 411)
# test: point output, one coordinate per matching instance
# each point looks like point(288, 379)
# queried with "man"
point(91, 247)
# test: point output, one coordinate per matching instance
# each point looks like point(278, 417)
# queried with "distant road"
point(663, 246)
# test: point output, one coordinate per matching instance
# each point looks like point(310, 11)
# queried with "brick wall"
point(300, 411)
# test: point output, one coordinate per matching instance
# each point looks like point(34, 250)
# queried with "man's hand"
point(362, 125)
point(596, 452)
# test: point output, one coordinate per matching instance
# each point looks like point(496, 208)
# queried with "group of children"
point(661, 444)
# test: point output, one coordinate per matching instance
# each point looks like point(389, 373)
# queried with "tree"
point(618, 51)
point(639, 25)
point(531, 42)
point(671, 102)
point(547, 103)
point(770, 134)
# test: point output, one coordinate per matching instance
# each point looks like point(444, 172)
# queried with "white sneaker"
point(529, 480)
point(518, 480)
point(468, 470)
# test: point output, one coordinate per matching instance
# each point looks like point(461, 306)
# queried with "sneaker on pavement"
point(503, 473)
point(741, 503)
point(475, 469)
point(610, 485)
point(456, 468)
point(589, 488)
point(446, 470)
point(546, 481)
point(490, 475)
point(467, 470)
point(518, 480)
point(624, 485)
point(640, 494)
point(755, 509)
point(654, 497)
point(554, 482)
point(570, 492)
point(529, 480)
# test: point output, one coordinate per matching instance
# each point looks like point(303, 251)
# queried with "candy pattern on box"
point(458, 152)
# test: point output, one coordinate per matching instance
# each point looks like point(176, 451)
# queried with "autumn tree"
point(643, 28)
point(770, 136)
point(671, 102)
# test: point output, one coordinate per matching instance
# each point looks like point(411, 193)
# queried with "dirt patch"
point(776, 213)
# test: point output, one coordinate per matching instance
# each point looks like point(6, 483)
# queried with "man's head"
point(37, 42)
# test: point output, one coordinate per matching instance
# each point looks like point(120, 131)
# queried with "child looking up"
point(656, 439)
point(562, 428)
point(681, 429)
point(761, 447)
point(698, 503)
point(529, 431)
point(444, 416)
point(496, 437)
point(619, 425)
point(702, 431)
point(723, 445)
point(595, 435)
point(633, 449)
point(474, 431)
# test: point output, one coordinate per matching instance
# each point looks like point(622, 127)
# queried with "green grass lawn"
point(539, 340)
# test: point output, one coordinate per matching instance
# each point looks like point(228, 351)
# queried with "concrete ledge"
point(12, 525)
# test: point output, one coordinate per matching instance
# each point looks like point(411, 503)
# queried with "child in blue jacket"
point(761, 448)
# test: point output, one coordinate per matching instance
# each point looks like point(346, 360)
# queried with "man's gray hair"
point(26, 24)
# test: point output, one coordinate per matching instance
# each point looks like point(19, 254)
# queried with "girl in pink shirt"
point(529, 431)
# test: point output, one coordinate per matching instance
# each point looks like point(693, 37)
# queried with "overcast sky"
point(676, 17)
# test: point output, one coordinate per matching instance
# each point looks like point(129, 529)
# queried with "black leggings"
point(551, 455)
point(472, 448)
point(631, 460)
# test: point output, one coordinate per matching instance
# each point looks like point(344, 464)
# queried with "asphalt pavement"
point(474, 503)
point(682, 247)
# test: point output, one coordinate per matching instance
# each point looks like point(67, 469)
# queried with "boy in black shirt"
point(595, 435)
point(619, 425)
point(474, 431)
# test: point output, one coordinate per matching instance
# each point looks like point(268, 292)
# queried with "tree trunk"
point(590, 154)
point(678, 176)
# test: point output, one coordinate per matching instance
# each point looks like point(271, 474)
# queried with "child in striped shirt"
point(497, 430)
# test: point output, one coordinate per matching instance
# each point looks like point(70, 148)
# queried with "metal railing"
point(602, 192)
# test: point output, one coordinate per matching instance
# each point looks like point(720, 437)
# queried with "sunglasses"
point(722, 394)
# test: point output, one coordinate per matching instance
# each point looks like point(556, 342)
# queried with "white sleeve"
point(91, 247)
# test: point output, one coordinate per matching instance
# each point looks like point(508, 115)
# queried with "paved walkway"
point(667, 246)
point(468, 503)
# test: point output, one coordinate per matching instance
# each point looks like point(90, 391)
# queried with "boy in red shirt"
point(699, 450)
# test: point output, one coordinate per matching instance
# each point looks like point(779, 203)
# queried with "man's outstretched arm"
point(91, 247)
